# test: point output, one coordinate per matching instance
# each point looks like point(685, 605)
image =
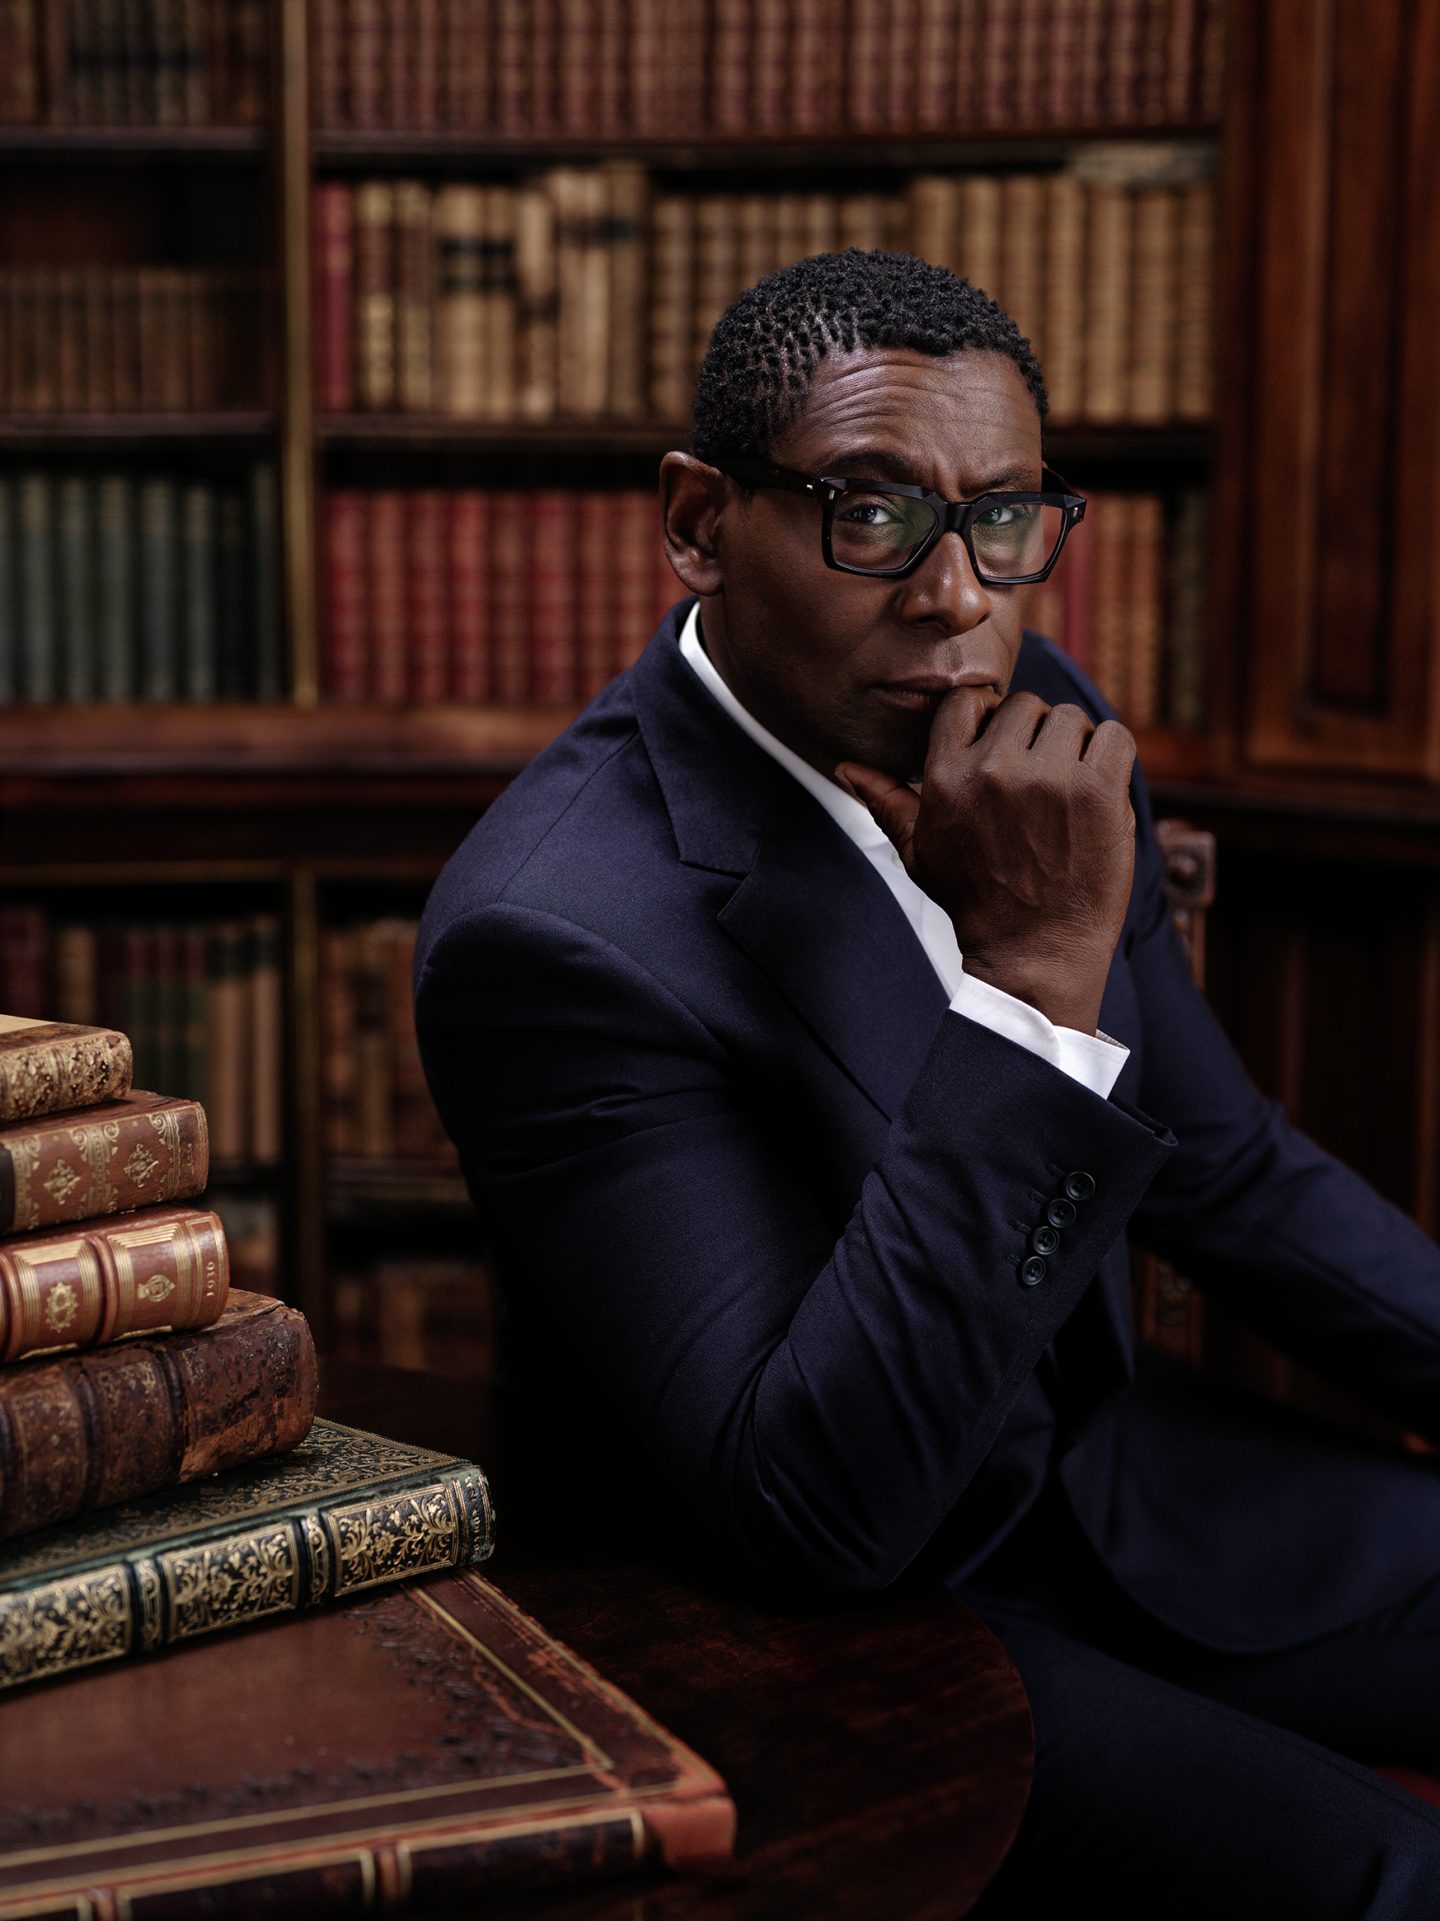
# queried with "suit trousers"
point(1173, 1780)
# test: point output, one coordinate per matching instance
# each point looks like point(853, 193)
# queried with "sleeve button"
point(1060, 1212)
point(1079, 1186)
point(1033, 1270)
point(1045, 1240)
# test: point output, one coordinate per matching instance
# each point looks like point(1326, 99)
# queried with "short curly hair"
point(762, 356)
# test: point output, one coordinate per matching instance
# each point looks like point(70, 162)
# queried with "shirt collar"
point(849, 814)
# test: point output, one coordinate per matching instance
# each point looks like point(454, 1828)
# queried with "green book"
point(9, 595)
point(159, 589)
point(198, 543)
point(78, 585)
point(342, 1512)
point(37, 587)
point(115, 615)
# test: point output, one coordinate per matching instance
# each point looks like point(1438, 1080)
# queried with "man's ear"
point(693, 499)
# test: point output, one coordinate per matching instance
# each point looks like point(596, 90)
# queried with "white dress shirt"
point(1093, 1059)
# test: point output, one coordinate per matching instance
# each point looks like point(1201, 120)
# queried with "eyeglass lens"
point(876, 531)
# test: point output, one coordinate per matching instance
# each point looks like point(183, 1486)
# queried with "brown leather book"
point(414, 297)
point(468, 575)
point(145, 1272)
point(428, 1743)
point(139, 1150)
point(90, 1430)
point(49, 1067)
point(426, 598)
point(374, 211)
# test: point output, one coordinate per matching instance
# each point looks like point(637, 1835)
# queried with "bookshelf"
point(321, 804)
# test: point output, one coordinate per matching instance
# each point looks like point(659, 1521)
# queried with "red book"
point(510, 549)
point(344, 622)
point(386, 563)
point(333, 241)
point(637, 529)
point(552, 595)
point(1075, 572)
point(468, 557)
point(427, 628)
point(594, 595)
point(24, 958)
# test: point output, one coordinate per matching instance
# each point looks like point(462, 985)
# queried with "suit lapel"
point(810, 911)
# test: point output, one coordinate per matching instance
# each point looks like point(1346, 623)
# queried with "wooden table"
point(878, 1749)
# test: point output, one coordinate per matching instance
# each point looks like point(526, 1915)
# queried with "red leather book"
point(468, 557)
point(553, 516)
point(427, 626)
point(334, 250)
point(137, 1151)
point(345, 600)
point(637, 534)
point(427, 1743)
point(90, 1430)
point(594, 593)
point(145, 1272)
point(425, 71)
point(385, 557)
point(510, 596)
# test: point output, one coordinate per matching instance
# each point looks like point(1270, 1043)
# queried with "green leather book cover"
point(342, 1512)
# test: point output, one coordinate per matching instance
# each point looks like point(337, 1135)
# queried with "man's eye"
point(869, 512)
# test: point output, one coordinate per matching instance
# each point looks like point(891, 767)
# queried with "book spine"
point(158, 1268)
point(628, 192)
point(426, 599)
point(345, 598)
point(267, 1097)
point(200, 513)
point(264, 522)
point(468, 575)
point(337, 1030)
point(385, 515)
point(301, 1561)
point(159, 589)
point(74, 1167)
point(55, 1067)
point(39, 640)
point(594, 595)
point(459, 235)
point(334, 248)
point(414, 297)
point(77, 588)
point(536, 300)
point(94, 1429)
point(374, 210)
point(225, 1025)
point(552, 595)
point(509, 598)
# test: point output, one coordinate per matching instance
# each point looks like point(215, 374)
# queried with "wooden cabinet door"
point(1339, 528)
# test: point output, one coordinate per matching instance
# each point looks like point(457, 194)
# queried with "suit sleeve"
point(1298, 1246)
point(823, 1401)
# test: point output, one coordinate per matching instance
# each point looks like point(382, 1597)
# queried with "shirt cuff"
point(1092, 1059)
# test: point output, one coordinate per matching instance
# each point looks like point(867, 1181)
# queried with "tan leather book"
point(50, 1067)
point(1195, 285)
point(459, 338)
point(980, 233)
point(536, 302)
point(90, 1430)
point(716, 265)
point(1022, 255)
point(427, 1745)
point(1107, 316)
point(375, 358)
point(414, 297)
point(227, 1074)
point(932, 203)
point(755, 227)
point(1064, 296)
point(1154, 307)
point(82, 1286)
point(627, 192)
point(134, 1152)
point(498, 301)
point(672, 298)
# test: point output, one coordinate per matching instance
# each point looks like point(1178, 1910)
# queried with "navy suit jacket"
point(761, 1203)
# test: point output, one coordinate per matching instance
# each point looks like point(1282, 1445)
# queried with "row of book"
point(121, 339)
point(146, 63)
point(462, 595)
point(376, 1103)
point(123, 586)
point(677, 68)
point(1128, 604)
point(580, 292)
point(200, 1001)
point(432, 1312)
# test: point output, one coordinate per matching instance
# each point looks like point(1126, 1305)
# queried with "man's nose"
point(943, 589)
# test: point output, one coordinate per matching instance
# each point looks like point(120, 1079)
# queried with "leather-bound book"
point(386, 579)
point(340, 1512)
point(553, 514)
point(346, 600)
point(468, 556)
point(148, 1271)
point(374, 213)
point(426, 597)
point(459, 228)
point(90, 1430)
point(49, 1067)
point(333, 245)
point(427, 1744)
point(1153, 307)
point(414, 296)
point(536, 302)
point(140, 1150)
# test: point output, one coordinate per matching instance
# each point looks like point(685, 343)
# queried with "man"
point(808, 1113)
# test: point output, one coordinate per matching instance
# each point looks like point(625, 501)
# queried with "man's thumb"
point(893, 805)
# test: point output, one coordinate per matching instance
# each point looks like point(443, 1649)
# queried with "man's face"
point(820, 657)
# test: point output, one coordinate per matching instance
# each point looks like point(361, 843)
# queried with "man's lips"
point(928, 690)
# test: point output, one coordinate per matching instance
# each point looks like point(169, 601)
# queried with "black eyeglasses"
point(885, 529)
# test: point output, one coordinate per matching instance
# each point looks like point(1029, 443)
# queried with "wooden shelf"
point(37, 432)
point(1179, 440)
point(226, 742)
point(133, 143)
point(353, 149)
point(364, 1191)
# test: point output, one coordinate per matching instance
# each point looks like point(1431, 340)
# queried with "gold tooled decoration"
point(157, 1288)
point(219, 1583)
point(62, 1183)
point(179, 1160)
point(317, 1543)
point(25, 1158)
point(99, 1142)
point(64, 1624)
point(140, 1164)
point(381, 1540)
point(62, 1304)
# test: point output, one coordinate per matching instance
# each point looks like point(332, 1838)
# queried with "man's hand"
point(1023, 832)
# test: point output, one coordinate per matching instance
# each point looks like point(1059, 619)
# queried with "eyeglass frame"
point(951, 516)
